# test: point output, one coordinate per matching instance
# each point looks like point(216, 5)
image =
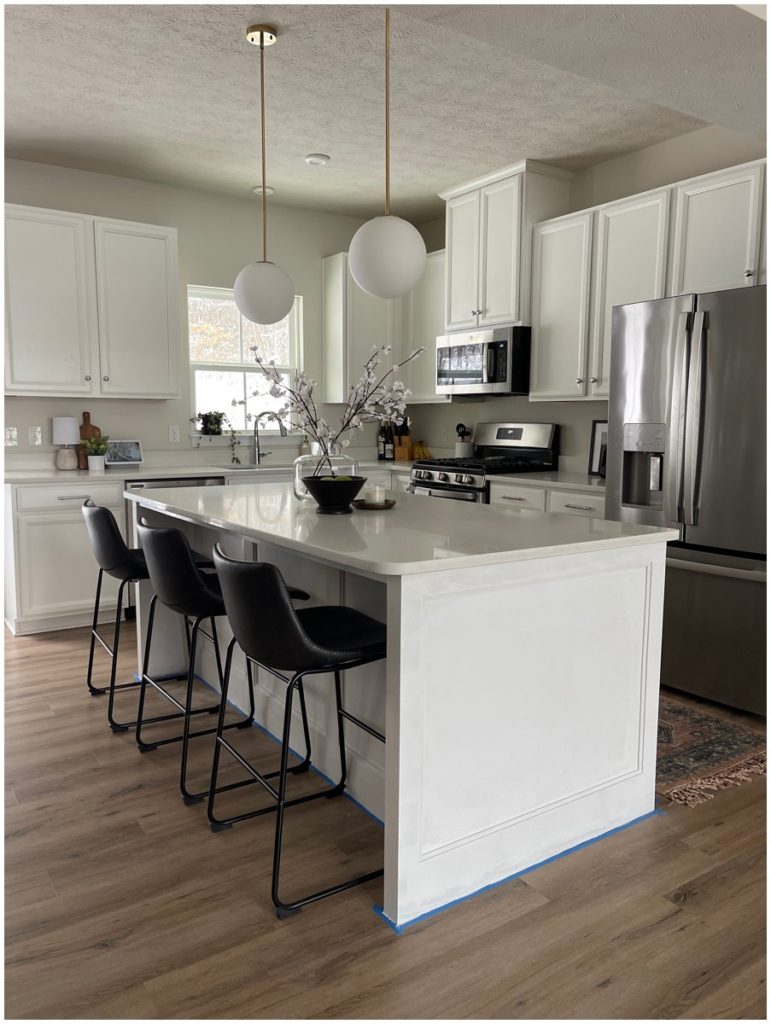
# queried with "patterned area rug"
point(700, 753)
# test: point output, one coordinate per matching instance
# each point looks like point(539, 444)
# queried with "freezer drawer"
point(714, 632)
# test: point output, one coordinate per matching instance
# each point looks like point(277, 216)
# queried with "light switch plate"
point(34, 436)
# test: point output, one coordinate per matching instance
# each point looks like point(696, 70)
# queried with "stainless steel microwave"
point(495, 361)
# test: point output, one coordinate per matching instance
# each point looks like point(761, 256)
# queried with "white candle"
point(375, 494)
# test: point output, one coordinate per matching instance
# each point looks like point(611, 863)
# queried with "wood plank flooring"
point(120, 903)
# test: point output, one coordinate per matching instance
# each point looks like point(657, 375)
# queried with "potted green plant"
point(95, 448)
point(211, 422)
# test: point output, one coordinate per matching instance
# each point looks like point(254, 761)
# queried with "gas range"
point(499, 448)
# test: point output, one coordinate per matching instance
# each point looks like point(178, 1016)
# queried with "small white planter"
point(96, 463)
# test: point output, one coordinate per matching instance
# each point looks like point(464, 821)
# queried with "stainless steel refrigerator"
point(687, 449)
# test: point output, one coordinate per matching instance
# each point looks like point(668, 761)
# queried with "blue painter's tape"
point(277, 741)
point(399, 928)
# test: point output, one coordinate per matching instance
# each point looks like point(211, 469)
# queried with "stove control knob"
point(459, 478)
point(444, 477)
point(468, 479)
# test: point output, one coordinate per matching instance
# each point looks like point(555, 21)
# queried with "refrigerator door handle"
point(693, 419)
point(675, 444)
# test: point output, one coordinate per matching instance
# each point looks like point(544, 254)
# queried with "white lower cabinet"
point(400, 481)
point(50, 571)
point(577, 503)
point(513, 496)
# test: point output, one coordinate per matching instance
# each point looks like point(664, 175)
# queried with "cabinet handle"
point(88, 376)
point(73, 497)
point(593, 380)
point(105, 378)
point(748, 273)
point(510, 497)
point(580, 508)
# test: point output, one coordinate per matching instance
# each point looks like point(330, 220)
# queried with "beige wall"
point(218, 235)
point(699, 152)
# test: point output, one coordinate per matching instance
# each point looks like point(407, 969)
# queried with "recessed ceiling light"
point(317, 159)
point(269, 190)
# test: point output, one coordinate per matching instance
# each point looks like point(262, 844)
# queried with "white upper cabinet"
point(717, 231)
point(499, 251)
point(630, 266)
point(51, 325)
point(352, 323)
point(489, 226)
point(562, 252)
point(138, 300)
point(424, 319)
point(462, 262)
point(92, 306)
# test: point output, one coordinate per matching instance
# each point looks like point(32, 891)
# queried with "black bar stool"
point(181, 587)
point(292, 644)
point(117, 559)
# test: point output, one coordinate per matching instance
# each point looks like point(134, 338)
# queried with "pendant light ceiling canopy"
point(263, 292)
point(387, 255)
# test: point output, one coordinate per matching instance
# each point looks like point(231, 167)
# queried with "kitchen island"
point(519, 696)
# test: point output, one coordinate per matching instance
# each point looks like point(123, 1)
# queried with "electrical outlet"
point(11, 437)
point(35, 436)
point(173, 435)
point(444, 435)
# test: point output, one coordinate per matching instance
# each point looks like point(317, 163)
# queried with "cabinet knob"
point(748, 273)
point(594, 380)
point(88, 376)
point(105, 378)
point(579, 380)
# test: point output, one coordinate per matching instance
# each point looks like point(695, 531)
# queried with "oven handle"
point(453, 495)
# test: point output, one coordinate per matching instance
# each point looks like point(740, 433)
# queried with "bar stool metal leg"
point(284, 909)
point(95, 690)
point(218, 824)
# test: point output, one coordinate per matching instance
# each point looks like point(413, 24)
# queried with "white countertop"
point(569, 481)
point(416, 536)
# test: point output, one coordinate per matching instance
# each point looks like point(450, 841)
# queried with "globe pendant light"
point(387, 255)
point(263, 292)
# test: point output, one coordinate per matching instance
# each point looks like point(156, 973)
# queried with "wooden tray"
point(365, 506)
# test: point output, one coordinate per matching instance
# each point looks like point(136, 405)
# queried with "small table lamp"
point(66, 432)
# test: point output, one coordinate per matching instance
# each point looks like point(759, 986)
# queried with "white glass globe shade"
point(387, 257)
point(264, 293)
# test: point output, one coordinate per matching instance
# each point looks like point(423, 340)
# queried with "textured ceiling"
point(169, 93)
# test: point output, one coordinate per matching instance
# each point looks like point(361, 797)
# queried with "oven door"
point(455, 494)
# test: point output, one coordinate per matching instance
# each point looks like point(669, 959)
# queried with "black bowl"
point(333, 495)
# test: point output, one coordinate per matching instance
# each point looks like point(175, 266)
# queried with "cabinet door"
point(138, 299)
point(560, 313)
point(630, 266)
point(424, 323)
point(462, 272)
point(56, 568)
point(717, 231)
point(369, 322)
point(50, 303)
point(500, 213)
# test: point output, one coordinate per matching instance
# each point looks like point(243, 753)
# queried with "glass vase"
point(321, 464)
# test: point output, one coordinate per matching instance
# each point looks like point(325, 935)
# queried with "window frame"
point(296, 349)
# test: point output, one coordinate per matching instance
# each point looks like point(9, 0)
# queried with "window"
point(222, 364)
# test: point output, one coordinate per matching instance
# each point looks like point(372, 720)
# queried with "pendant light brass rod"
point(387, 111)
point(264, 178)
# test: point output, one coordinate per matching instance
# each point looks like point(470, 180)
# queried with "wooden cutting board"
point(88, 430)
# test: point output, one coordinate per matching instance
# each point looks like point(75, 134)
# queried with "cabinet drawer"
point(518, 497)
point(66, 497)
point(576, 503)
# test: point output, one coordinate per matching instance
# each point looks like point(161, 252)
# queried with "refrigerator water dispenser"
point(643, 468)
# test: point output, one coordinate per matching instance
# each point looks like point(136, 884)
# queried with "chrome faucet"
point(258, 453)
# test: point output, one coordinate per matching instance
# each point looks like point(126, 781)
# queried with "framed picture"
point(598, 448)
point(123, 453)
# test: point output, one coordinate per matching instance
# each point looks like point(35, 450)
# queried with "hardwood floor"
point(121, 903)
